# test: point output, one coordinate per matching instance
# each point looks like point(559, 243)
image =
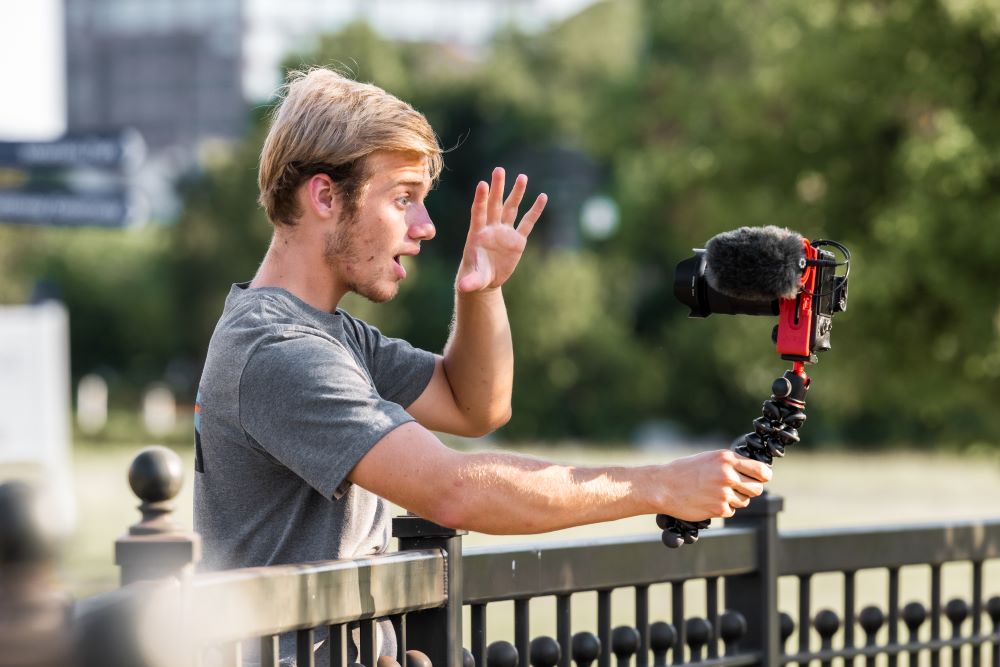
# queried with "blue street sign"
point(121, 151)
point(69, 210)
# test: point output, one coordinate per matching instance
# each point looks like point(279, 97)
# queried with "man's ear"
point(321, 197)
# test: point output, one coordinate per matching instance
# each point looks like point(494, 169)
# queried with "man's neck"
point(297, 265)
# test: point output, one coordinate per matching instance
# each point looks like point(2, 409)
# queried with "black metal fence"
point(166, 615)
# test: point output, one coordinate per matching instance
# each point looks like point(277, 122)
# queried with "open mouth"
point(400, 271)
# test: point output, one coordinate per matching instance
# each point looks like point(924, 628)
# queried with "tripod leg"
point(782, 416)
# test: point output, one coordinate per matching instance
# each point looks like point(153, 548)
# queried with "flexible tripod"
point(782, 416)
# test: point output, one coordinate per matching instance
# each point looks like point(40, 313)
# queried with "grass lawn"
point(820, 490)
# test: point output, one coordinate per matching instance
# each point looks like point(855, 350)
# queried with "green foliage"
point(872, 123)
point(118, 290)
point(218, 240)
point(579, 374)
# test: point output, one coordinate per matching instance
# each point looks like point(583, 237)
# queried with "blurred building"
point(184, 72)
point(169, 68)
point(180, 71)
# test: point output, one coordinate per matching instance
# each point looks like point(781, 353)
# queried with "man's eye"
point(403, 201)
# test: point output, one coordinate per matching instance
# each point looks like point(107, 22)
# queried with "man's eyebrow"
point(421, 186)
point(413, 184)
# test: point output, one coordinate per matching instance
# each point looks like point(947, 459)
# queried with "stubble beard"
point(341, 254)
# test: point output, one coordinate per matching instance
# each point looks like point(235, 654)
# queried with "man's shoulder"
point(355, 326)
point(259, 314)
point(257, 324)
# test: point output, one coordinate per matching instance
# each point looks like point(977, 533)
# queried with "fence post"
point(436, 632)
point(156, 547)
point(755, 595)
point(34, 614)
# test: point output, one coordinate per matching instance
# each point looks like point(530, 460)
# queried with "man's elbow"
point(452, 516)
point(486, 424)
point(451, 509)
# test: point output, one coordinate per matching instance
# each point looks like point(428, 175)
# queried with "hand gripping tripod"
point(782, 416)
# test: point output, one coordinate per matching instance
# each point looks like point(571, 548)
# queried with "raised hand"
point(495, 244)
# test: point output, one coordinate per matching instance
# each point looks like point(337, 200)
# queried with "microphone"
point(755, 263)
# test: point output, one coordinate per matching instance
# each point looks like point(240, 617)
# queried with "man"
point(309, 420)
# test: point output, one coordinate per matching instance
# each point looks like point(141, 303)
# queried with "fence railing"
point(165, 615)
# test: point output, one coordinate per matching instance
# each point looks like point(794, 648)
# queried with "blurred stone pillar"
point(159, 411)
point(34, 613)
point(92, 403)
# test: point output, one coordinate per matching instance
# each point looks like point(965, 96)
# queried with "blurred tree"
point(869, 122)
point(117, 289)
point(219, 239)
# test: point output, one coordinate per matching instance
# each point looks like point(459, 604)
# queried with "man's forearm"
point(479, 358)
point(501, 493)
point(496, 492)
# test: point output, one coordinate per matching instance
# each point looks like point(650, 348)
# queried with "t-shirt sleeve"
point(309, 404)
point(400, 371)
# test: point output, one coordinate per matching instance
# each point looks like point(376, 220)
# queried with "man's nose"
point(420, 226)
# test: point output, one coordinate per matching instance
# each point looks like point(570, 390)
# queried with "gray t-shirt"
point(290, 399)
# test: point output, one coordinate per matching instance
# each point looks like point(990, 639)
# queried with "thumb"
point(473, 281)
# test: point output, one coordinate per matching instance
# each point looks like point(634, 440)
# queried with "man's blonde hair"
point(327, 123)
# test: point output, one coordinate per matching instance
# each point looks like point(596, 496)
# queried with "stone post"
point(156, 547)
point(755, 595)
point(435, 632)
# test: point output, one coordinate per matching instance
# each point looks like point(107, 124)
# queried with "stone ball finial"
point(156, 474)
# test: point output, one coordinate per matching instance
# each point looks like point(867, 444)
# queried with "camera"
point(805, 321)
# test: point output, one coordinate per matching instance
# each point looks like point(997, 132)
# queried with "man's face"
point(365, 252)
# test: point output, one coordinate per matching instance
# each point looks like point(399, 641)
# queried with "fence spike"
point(624, 644)
point(827, 623)
point(698, 631)
point(661, 639)
point(499, 654)
point(993, 609)
point(544, 652)
point(871, 619)
point(468, 660)
point(914, 615)
point(957, 611)
point(585, 647)
point(786, 626)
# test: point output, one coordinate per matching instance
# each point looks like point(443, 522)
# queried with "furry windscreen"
point(755, 263)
